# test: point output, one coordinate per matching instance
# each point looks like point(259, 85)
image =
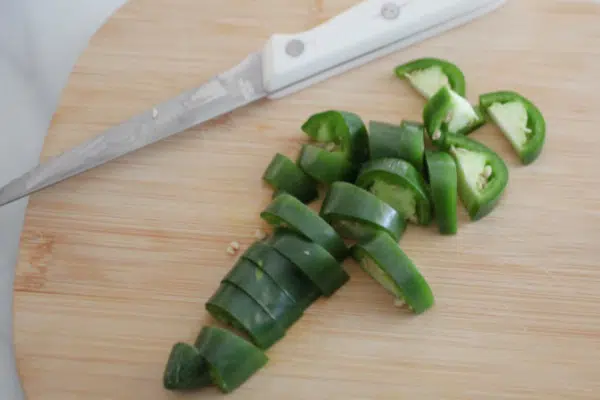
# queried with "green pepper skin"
point(405, 280)
point(186, 369)
point(405, 141)
point(530, 151)
point(347, 203)
point(324, 166)
point(479, 203)
point(289, 211)
point(403, 175)
point(232, 359)
point(443, 181)
point(456, 78)
point(313, 260)
point(287, 276)
point(262, 288)
point(283, 175)
point(232, 306)
point(343, 128)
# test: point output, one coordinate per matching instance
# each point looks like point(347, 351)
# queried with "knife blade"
point(286, 64)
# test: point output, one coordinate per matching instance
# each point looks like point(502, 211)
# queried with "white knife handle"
point(367, 27)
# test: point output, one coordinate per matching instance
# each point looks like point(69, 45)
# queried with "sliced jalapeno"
point(313, 260)
point(324, 166)
point(232, 306)
point(186, 369)
point(443, 181)
point(289, 277)
point(448, 112)
point(405, 141)
point(482, 175)
point(283, 175)
point(288, 211)
point(232, 360)
point(400, 185)
point(262, 288)
point(428, 75)
point(358, 214)
point(385, 262)
point(519, 120)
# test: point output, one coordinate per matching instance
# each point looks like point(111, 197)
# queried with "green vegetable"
point(232, 359)
point(290, 212)
point(447, 112)
point(403, 141)
point(482, 175)
point(285, 176)
point(358, 214)
point(262, 288)
point(232, 306)
point(287, 276)
point(186, 369)
point(324, 166)
point(428, 75)
point(313, 260)
point(400, 185)
point(443, 181)
point(384, 261)
point(519, 120)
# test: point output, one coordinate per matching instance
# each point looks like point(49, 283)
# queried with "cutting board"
point(116, 264)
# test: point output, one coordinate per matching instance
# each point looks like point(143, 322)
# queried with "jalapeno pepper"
point(287, 276)
point(233, 307)
point(384, 261)
point(519, 120)
point(428, 75)
point(324, 166)
point(443, 181)
point(283, 175)
point(403, 141)
point(288, 211)
point(343, 129)
point(400, 185)
point(231, 359)
point(186, 369)
point(448, 112)
point(313, 260)
point(482, 174)
point(262, 288)
point(357, 214)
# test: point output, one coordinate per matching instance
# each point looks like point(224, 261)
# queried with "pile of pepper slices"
point(377, 180)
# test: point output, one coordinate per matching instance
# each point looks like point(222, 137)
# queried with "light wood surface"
point(116, 264)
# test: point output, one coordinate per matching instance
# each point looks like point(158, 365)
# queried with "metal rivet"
point(294, 48)
point(390, 11)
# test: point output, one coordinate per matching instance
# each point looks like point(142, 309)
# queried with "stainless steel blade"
point(237, 87)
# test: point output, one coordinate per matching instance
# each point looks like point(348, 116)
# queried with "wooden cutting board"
point(116, 264)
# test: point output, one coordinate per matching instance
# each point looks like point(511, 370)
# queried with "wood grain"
point(116, 264)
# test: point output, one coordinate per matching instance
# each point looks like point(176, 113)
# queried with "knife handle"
point(365, 29)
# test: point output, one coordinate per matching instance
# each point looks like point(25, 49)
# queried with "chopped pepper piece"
point(345, 130)
point(405, 141)
point(519, 120)
point(428, 75)
point(448, 112)
point(289, 278)
point(232, 359)
point(186, 369)
point(482, 175)
point(324, 166)
point(262, 288)
point(357, 214)
point(313, 260)
point(285, 176)
point(233, 307)
point(400, 185)
point(384, 261)
point(288, 211)
point(443, 181)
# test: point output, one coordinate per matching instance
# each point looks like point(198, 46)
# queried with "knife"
point(286, 64)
